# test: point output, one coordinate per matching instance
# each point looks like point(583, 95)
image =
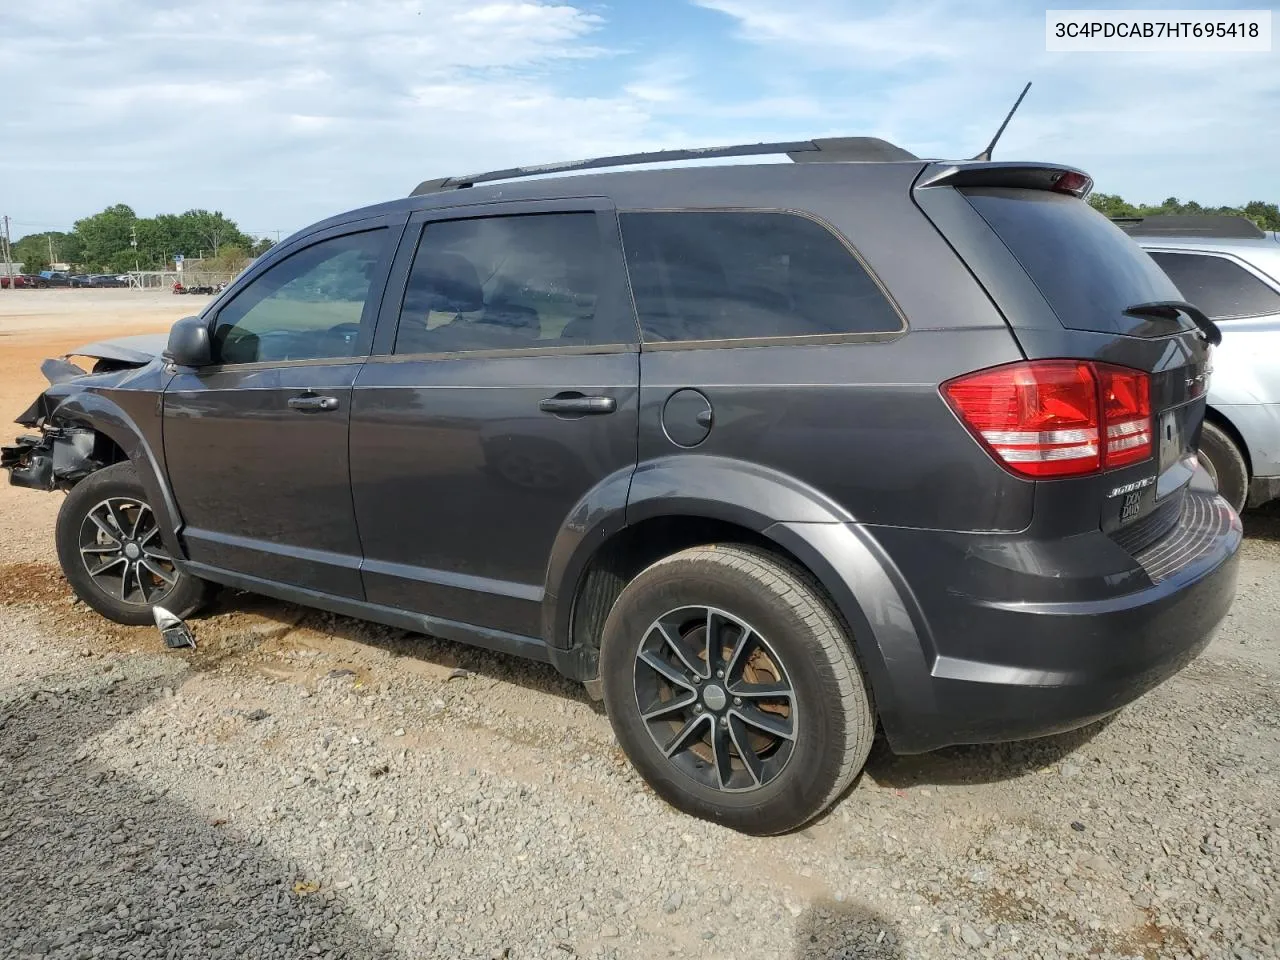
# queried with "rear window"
point(736, 275)
point(1217, 286)
point(1086, 267)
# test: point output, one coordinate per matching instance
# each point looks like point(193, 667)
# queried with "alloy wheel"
point(121, 550)
point(715, 698)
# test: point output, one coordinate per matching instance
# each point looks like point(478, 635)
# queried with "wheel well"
point(620, 558)
point(106, 451)
point(1227, 427)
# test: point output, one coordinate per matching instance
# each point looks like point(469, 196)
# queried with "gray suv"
point(769, 456)
point(1231, 269)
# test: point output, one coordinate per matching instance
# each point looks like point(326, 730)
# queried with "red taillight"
point(1126, 411)
point(1057, 418)
point(1073, 183)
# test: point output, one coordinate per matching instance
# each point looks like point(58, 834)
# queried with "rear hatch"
point(1075, 287)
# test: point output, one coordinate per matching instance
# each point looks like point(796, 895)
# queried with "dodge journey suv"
point(769, 456)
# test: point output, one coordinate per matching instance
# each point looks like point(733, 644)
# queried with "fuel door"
point(687, 417)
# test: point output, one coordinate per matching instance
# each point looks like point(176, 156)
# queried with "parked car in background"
point(102, 280)
point(1230, 268)
point(15, 282)
point(769, 456)
point(78, 280)
point(55, 278)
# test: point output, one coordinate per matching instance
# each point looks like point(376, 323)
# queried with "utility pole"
point(8, 254)
point(52, 259)
point(133, 242)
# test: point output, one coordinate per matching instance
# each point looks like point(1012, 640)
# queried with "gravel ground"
point(305, 785)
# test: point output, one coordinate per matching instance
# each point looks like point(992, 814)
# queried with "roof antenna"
point(985, 155)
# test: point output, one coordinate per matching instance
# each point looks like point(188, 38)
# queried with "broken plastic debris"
point(175, 632)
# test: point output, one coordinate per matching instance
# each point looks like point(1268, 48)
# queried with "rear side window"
point(731, 275)
point(1217, 286)
point(1086, 267)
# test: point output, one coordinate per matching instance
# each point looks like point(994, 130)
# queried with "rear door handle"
point(576, 405)
point(313, 404)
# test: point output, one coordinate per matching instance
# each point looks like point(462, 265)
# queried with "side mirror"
point(189, 344)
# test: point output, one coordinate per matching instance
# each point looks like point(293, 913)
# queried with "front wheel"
point(734, 690)
point(110, 549)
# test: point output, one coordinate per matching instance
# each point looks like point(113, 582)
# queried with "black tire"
point(829, 715)
point(114, 500)
point(1225, 463)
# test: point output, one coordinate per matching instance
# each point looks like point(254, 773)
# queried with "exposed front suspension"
point(58, 458)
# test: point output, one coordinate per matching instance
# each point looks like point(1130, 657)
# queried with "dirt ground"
point(308, 785)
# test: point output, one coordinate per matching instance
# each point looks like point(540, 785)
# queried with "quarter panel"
point(1246, 365)
point(863, 424)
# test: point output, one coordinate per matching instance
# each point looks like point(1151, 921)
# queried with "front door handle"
point(577, 405)
point(309, 403)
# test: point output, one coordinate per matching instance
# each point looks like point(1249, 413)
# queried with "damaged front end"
point(63, 453)
point(58, 458)
point(55, 460)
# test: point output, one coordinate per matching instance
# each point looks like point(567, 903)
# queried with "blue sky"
point(280, 112)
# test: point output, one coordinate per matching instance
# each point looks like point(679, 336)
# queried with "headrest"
point(446, 282)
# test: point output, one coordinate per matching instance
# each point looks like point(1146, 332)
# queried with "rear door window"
point(1086, 267)
point(712, 275)
point(1217, 286)
point(510, 283)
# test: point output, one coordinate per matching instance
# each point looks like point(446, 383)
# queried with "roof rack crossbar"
point(836, 148)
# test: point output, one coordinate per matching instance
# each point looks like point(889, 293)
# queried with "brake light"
point(1076, 184)
point(1126, 413)
point(1057, 418)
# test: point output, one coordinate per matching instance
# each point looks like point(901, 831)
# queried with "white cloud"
point(284, 111)
point(938, 77)
point(902, 33)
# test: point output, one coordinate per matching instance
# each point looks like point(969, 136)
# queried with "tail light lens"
point(1057, 418)
point(1126, 414)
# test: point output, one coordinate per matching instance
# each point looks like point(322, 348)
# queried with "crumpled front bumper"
point(57, 457)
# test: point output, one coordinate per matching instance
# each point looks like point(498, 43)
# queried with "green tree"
point(33, 250)
point(207, 232)
point(230, 260)
point(1265, 215)
point(105, 237)
point(261, 247)
point(1112, 205)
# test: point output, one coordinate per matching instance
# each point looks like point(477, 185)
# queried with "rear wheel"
point(110, 548)
point(733, 689)
point(1225, 463)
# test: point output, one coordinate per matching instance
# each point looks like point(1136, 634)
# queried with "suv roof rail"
point(830, 149)
point(1222, 226)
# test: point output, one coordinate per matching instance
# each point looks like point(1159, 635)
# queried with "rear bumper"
point(1010, 653)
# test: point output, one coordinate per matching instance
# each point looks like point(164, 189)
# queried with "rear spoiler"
point(1169, 310)
point(1009, 173)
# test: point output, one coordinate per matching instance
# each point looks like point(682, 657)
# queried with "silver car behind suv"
point(1230, 268)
